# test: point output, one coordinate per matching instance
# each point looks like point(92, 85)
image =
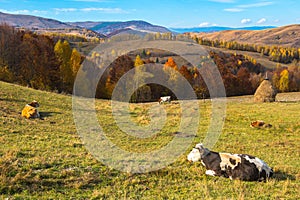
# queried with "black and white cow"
point(234, 166)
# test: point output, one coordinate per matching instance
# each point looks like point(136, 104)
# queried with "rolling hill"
point(32, 22)
point(45, 25)
point(284, 36)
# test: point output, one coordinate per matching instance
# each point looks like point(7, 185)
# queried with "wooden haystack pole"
point(265, 92)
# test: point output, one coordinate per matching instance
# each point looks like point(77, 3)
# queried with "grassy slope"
point(46, 159)
point(287, 36)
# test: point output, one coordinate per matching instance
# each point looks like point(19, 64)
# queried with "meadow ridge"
point(46, 159)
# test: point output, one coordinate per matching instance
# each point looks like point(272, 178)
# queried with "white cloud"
point(105, 10)
point(24, 12)
point(17, 12)
point(256, 5)
point(65, 9)
point(204, 24)
point(233, 9)
point(261, 21)
point(276, 20)
point(207, 24)
point(39, 12)
point(246, 21)
point(242, 7)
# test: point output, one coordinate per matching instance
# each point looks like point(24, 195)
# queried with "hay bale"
point(265, 92)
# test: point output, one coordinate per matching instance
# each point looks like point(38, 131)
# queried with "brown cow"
point(260, 124)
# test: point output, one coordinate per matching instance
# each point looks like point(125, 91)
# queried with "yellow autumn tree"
point(142, 93)
point(138, 61)
point(284, 81)
point(63, 53)
point(75, 61)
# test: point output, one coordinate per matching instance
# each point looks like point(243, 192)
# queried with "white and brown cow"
point(234, 166)
point(164, 99)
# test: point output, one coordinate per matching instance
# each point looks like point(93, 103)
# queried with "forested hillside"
point(275, 53)
point(287, 36)
point(50, 63)
point(37, 61)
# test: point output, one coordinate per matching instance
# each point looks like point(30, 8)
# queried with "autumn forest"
point(48, 62)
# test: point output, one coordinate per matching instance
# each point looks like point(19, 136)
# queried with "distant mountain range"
point(107, 28)
point(287, 35)
point(219, 28)
point(113, 28)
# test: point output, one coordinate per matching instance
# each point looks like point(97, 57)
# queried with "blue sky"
point(180, 13)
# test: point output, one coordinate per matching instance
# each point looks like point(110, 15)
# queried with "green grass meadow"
point(46, 159)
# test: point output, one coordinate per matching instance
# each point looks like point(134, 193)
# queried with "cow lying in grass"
point(31, 110)
point(234, 166)
point(164, 99)
point(260, 124)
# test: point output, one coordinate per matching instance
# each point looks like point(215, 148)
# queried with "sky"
point(171, 14)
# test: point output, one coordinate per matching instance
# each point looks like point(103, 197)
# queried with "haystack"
point(265, 92)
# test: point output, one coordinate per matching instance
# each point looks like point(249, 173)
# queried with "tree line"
point(286, 79)
point(275, 53)
point(37, 61)
point(240, 75)
point(49, 63)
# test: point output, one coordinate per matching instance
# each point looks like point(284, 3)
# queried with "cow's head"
point(197, 153)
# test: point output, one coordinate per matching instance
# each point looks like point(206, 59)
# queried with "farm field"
point(46, 159)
